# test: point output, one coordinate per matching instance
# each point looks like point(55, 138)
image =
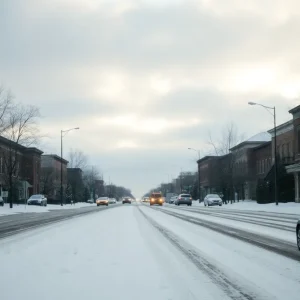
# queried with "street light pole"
point(275, 146)
point(199, 187)
point(61, 162)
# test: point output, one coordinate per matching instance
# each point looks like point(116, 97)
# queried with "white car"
point(212, 199)
point(112, 201)
point(173, 199)
point(37, 200)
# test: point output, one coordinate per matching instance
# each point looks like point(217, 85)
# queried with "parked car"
point(212, 199)
point(102, 201)
point(37, 200)
point(298, 234)
point(126, 200)
point(112, 201)
point(173, 199)
point(156, 198)
point(184, 199)
point(1, 201)
point(91, 201)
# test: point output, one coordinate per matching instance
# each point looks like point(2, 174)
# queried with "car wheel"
point(97, 204)
point(191, 204)
point(220, 204)
point(298, 237)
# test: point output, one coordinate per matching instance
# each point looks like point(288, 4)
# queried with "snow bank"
point(38, 209)
point(289, 208)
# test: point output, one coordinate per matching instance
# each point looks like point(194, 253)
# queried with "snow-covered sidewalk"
point(21, 208)
point(288, 208)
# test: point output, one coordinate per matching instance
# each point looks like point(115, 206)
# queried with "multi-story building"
point(51, 176)
point(294, 167)
point(24, 164)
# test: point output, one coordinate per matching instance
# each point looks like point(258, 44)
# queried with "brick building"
point(234, 173)
point(51, 176)
point(294, 167)
point(25, 168)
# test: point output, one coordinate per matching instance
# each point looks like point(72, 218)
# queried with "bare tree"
point(89, 177)
point(6, 104)
point(230, 138)
point(47, 180)
point(21, 130)
point(77, 159)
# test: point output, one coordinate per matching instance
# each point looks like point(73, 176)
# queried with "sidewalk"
point(21, 208)
point(289, 208)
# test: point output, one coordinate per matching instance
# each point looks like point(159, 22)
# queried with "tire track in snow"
point(228, 285)
point(249, 220)
point(272, 244)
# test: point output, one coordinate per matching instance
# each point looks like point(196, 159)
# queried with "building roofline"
point(35, 150)
point(282, 126)
point(245, 143)
point(206, 158)
point(55, 156)
point(74, 169)
point(265, 144)
point(294, 110)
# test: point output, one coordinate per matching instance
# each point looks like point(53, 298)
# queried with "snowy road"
point(136, 252)
point(12, 224)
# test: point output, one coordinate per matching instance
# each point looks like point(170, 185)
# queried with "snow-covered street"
point(136, 252)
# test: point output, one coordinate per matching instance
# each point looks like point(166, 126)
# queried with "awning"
point(293, 168)
point(24, 184)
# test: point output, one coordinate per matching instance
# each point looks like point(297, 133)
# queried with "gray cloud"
point(59, 59)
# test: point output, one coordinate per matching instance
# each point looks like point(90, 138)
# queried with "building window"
point(266, 165)
point(298, 138)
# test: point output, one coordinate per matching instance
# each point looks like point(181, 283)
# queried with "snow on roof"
point(260, 137)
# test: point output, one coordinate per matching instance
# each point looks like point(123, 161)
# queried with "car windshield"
point(156, 196)
point(103, 198)
point(36, 197)
point(214, 196)
point(185, 195)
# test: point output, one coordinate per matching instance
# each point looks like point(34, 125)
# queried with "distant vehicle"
point(298, 234)
point(37, 200)
point(1, 201)
point(126, 200)
point(212, 199)
point(173, 199)
point(102, 201)
point(112, 201)
point(156, 198)
point(184, 199)
point(146, 199)
point(91, 201)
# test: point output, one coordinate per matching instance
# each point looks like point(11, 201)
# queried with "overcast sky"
point(146, 79)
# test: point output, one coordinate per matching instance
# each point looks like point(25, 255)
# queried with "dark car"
point(1, 201)
point(126, 200)
point(184, 199)
point(156, 198)
point(298, 234)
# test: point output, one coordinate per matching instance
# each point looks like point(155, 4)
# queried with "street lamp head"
point(190, 148)
point(251, 103)
point(76, 128)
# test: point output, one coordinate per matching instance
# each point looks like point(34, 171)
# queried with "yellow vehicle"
point(102, 201)
point(156, 198)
